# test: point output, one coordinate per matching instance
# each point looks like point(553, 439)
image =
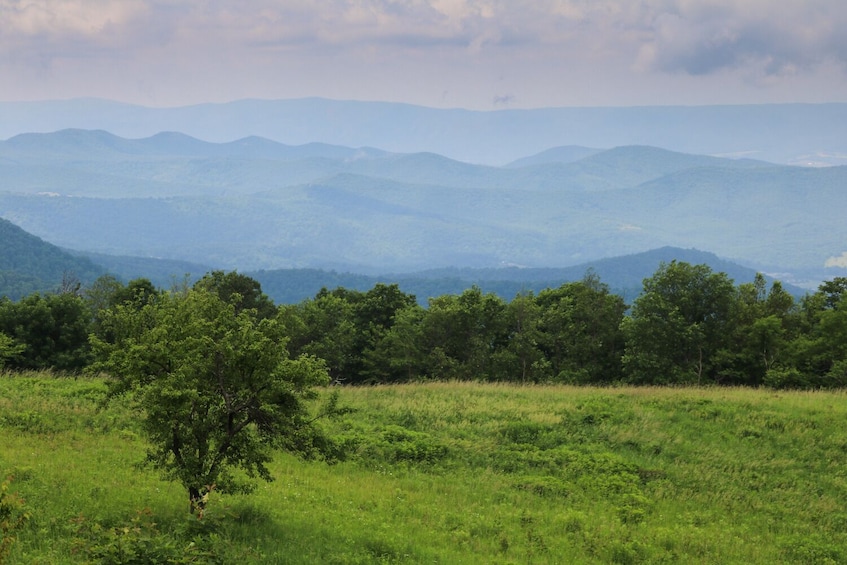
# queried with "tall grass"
point(454, 473)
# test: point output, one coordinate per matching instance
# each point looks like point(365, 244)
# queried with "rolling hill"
point(255, 204)
point(624, 275)
point(28, 264)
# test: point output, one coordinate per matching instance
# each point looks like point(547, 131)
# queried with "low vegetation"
point(449, 473)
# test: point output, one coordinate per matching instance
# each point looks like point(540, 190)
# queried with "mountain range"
point(256, 204)
point(781, 133)
point(28, 264)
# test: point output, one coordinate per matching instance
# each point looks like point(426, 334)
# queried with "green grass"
point(454, 473)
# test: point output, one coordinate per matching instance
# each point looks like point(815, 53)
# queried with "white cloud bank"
point(532, 52)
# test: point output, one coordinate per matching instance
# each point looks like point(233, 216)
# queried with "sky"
point(476, 54)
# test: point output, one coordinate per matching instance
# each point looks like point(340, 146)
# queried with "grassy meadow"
point(452, 473)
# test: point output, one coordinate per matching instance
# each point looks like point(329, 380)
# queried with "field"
point(453, 473)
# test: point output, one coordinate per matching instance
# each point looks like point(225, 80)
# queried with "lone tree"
point(216, 387)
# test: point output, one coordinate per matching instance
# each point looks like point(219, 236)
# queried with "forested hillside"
point(28, 264)
point(31, 265)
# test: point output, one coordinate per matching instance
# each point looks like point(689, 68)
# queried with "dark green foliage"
point(137, 292)
point(760, 326)
point(373, 315)
point(9, 349)
point(816, 352)
point(29, 264)
point(678, 326)
point(52, 329)
point(523, 359)
point(833, 291)
point(241, 290)
point(348, 329)
point(463, 334)
point(399, 354)
point(580, 331)
point(322, 327)
point(689, 325)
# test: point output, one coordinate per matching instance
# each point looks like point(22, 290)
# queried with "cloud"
point(558, 45)
point(765, 36)
point(840, 261)
point(70, 17)
point(691, 36)
point(43, 31)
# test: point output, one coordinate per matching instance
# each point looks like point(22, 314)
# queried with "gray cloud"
point(769, 37)
point(694, 36)
point(550, 44)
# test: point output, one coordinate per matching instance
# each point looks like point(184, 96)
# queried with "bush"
point(785, 377)
point(406, 445)
point(837, 375)
point(141, 542)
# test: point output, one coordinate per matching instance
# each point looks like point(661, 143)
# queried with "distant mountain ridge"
point(624, 276)
point(781, 133)
point(561, 154)
point(103, 162)
point(28, 264)
point(74, 142)
point(256, 204)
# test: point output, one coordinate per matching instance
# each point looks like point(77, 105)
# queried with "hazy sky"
point(482, 54)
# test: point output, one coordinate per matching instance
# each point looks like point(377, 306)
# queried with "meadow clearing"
point(451, 473)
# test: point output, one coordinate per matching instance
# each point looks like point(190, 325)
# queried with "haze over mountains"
point(781, 133)
point(28, 265)
point(252, 203)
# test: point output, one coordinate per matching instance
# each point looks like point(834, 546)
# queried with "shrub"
point(141, 542)
point(785, 377)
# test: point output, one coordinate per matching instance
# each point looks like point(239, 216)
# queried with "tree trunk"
point(198, 497)
point(195, 499)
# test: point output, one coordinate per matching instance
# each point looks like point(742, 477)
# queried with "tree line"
point(690, 325)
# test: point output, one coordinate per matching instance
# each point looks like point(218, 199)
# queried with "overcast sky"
point(480, 54)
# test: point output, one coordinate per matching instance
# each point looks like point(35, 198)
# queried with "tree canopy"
point(688, 325)
point(216, 387)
